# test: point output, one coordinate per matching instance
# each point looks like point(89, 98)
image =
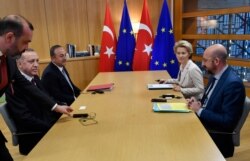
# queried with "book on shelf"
point(94, 49)
point(71, 49)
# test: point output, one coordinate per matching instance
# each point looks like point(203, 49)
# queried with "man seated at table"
point(29, 115)
point(222, 103)
point(56, 79)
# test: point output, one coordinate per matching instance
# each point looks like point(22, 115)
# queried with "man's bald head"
point(217, 51)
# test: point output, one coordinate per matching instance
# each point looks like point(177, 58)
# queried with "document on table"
point(170, 107)
point(107, 86)
point(160, 86)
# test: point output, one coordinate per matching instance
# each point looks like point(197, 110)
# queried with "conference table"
point(127, 129)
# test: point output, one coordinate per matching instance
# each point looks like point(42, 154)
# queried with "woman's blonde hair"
point(185, 44)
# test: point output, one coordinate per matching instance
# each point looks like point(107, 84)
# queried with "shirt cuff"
point(54, 107)
point(199, 112)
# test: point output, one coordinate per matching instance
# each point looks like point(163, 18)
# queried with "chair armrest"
point(221, 132)
point(26, 133)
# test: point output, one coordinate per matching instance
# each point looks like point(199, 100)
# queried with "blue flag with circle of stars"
point(163, 57)
point(126, 43)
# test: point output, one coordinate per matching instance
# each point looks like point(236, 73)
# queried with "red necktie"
point(3, 73)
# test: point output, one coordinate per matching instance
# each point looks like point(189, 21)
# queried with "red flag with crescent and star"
point(144, 43)
point(108, 44)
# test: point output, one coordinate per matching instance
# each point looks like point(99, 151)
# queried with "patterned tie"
point(207, 91)
point(3, 74)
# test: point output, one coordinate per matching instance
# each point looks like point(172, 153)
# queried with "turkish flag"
point(108, 44)
point(144, 42)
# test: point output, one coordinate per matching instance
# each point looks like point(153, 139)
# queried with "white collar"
point(1, 53)
point(217, 76)
point(29, 78)
point(60, 68)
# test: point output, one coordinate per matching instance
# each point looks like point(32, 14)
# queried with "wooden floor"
point(242, 153)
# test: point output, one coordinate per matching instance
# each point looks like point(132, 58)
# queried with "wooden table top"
point(127, 128)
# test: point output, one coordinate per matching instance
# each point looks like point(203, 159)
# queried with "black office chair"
point(246, 109)
point(236, 133)
point(11, 125)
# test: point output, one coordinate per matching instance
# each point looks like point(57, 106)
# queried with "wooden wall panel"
point(34, 11)
point(78, 22)
point(96, 13)
point(67, 22)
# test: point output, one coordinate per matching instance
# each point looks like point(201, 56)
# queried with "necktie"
point(3, 72)
point(67, 78)
point(207, 91)
point(33, 81)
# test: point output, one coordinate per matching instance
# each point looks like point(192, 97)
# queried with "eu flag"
point(126, 43)
point(163, 57)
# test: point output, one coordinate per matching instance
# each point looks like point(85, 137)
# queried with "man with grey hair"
point(222, 103)
point(29, 114)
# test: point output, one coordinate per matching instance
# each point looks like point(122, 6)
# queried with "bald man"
point(222, 103)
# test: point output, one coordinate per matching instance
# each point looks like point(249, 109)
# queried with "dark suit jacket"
point(28, 113)
point(57, 86)
point(16, 78)
point(224, 110)
point(225, 105)
point(10, 75)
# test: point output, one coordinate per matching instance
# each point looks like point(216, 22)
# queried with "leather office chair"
point(246, 109)
point(236, 133)
point(10, 123)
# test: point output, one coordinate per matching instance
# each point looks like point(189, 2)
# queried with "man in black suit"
point(15, 35)
point(29, 114)
point(56, 79)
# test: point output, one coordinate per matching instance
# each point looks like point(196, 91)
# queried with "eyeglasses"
point(90, 120)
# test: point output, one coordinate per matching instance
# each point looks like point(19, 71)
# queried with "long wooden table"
point(127, 129)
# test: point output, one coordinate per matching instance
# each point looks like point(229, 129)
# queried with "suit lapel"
point(219, 85)
point(184, 72)
point(61, 76)
point(11, 68)
point(59, 73)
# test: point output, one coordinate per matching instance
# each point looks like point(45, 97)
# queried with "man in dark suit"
point(29, 114)
point(15, 35)
point(56, 79)
point(222, 104)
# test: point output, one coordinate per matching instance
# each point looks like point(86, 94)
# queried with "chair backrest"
point(246, 109)
point(10, 123)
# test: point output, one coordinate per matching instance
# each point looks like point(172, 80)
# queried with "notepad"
point(108, 86)
point(160, 86)
point(170, 107)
